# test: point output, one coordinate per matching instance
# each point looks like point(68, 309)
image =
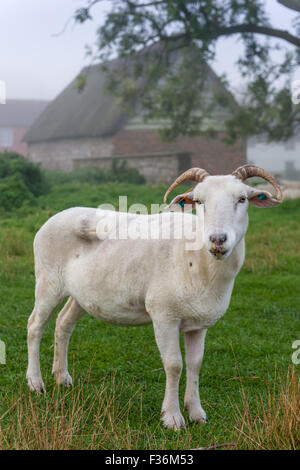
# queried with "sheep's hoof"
point(197, 414)
point(173, 420)
point(63, 378)
point(36, 384)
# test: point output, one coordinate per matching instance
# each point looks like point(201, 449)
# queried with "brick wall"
point(144, 150)
point(18, 146)
point(211, 154)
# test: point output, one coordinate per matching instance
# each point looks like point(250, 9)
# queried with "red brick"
point(211, 154)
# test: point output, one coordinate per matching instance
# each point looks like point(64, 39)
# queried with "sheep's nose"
point(218, 239)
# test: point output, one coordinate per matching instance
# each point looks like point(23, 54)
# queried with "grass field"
point(246, 378)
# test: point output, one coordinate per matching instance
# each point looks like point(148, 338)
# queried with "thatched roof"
point(73, 114)
point(20, 113)
point(292, 4)
point(93, 112)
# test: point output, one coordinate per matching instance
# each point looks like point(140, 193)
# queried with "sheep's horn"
point(248, 171)
point(193, 174)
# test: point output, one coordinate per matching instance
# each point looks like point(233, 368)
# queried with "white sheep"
point(161, 279)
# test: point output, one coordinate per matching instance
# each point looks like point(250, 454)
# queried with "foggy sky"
point(36, 63)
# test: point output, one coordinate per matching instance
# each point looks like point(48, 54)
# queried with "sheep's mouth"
point(218, 253)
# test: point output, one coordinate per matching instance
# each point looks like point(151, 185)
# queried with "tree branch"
point(150, 4)
point(264, 30)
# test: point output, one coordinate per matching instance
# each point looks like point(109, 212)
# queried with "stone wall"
point(156, 168)
point(144, 150)
point(60, 154)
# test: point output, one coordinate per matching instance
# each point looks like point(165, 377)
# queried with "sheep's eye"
point(197, 201)
point(242, 199)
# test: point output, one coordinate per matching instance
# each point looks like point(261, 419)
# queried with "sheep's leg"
point(46, 300)
point(167, 339)
point(194, 348)
point(65, 323)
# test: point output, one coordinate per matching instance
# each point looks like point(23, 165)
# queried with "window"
point(290, 165)
point(290, 144)
point(6, 137)
point(2, 92)
point(290, 170)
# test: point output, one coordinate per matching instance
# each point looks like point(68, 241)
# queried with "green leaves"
point(20, 181)
point(154, 37)
point(82, 14)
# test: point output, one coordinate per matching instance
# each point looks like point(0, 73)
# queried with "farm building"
point(16, 117)
point(90, 128)
point(280, 158)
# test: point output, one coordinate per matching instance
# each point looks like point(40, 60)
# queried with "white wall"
point(274, 157)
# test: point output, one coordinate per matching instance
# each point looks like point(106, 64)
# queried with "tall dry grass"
point(73, 419)
point(273, 421)
point(110, 416)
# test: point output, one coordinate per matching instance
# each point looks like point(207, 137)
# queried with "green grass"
point(121, 366)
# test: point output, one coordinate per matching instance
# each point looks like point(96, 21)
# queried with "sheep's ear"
point(182, 202)
point(262, 199)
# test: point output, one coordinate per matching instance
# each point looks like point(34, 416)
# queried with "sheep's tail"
point(85, 227)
